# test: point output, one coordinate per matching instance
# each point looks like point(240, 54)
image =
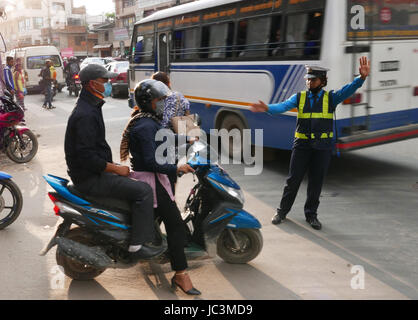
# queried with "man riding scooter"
point(90, 165)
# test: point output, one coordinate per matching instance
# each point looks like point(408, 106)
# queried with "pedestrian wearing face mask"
point(313, 143)
point(90, 164)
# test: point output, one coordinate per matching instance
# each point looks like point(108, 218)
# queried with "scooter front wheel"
point(11, 201)
point(239, 245)
point(74, 269)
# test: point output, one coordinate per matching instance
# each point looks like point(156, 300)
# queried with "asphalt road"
point(368, 211)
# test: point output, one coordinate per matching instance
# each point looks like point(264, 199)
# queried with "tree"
point(110, 16)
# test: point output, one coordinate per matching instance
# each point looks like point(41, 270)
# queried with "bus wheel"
point(232, 144)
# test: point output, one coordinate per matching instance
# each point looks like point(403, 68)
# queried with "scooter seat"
point(74, 191)
point(111, 204)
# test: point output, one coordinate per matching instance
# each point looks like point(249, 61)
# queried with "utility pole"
point(87, 42)
point(47, 4)
point(49, 22)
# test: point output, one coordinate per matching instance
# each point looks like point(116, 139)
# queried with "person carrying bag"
point(176, 114)
point(187, 121)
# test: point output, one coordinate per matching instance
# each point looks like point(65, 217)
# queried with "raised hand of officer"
point(259, 107)
point(364, 69)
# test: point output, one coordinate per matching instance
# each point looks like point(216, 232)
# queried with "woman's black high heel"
point(192, 291)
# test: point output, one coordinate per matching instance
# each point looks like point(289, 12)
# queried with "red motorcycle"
point(17, 141)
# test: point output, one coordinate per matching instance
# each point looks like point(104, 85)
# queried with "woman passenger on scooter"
point(139, 140)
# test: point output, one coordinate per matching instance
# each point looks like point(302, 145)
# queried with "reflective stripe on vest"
point(316, 115)
point(323, 135)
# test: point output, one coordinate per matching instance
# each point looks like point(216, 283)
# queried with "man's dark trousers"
point(48, 94)
point(138, 193)
point(313, 161)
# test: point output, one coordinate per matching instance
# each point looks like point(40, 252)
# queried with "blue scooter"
point(11, 200)
point(214, 218)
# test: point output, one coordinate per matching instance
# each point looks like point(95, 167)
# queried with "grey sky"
point(95, 7)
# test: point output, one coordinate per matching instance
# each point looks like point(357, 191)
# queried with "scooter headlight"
point(235, 193)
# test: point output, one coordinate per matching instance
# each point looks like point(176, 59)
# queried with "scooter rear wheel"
point(72, 268)
point(11, 201)
point(239, 245)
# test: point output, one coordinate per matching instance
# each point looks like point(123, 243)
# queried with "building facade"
point(105, 37)
point(48, 22)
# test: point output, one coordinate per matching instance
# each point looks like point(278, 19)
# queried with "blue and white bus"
point(224, 55)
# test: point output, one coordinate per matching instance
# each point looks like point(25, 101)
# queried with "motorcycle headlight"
point(235, 193)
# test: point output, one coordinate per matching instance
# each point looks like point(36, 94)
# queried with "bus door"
point(386, 34)
point(390, 84)
point(163, 51)
point(360, 101)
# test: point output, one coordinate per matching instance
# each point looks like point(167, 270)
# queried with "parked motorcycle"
point(213, 216)
point(11, 200)
point(74, 85)
point(19, 143)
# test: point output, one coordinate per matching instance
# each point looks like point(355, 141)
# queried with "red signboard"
point(67, 52)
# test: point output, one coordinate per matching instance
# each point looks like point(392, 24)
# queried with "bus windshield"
point(382, 19)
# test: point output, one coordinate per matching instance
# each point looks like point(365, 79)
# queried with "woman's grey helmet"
point(148, 90)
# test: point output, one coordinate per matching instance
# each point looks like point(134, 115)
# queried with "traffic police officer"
point(313, 143)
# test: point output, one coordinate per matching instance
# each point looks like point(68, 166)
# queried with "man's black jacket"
point(86, 149)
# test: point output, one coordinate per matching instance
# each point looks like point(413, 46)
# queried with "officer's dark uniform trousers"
point(311, 152)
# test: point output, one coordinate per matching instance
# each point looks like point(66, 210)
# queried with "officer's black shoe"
point(314, 222)
point(146, 253)
point(278, 217)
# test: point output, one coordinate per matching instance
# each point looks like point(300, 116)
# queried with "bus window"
point(186, 43)
point(303, 34)
point(138, 49)
point(253, 37)
point(217, 40)
point(144, 49)
point(276, 48)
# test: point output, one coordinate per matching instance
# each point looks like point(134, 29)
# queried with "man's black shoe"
point(278, 217)
point(146, 252)
point(314, 222)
